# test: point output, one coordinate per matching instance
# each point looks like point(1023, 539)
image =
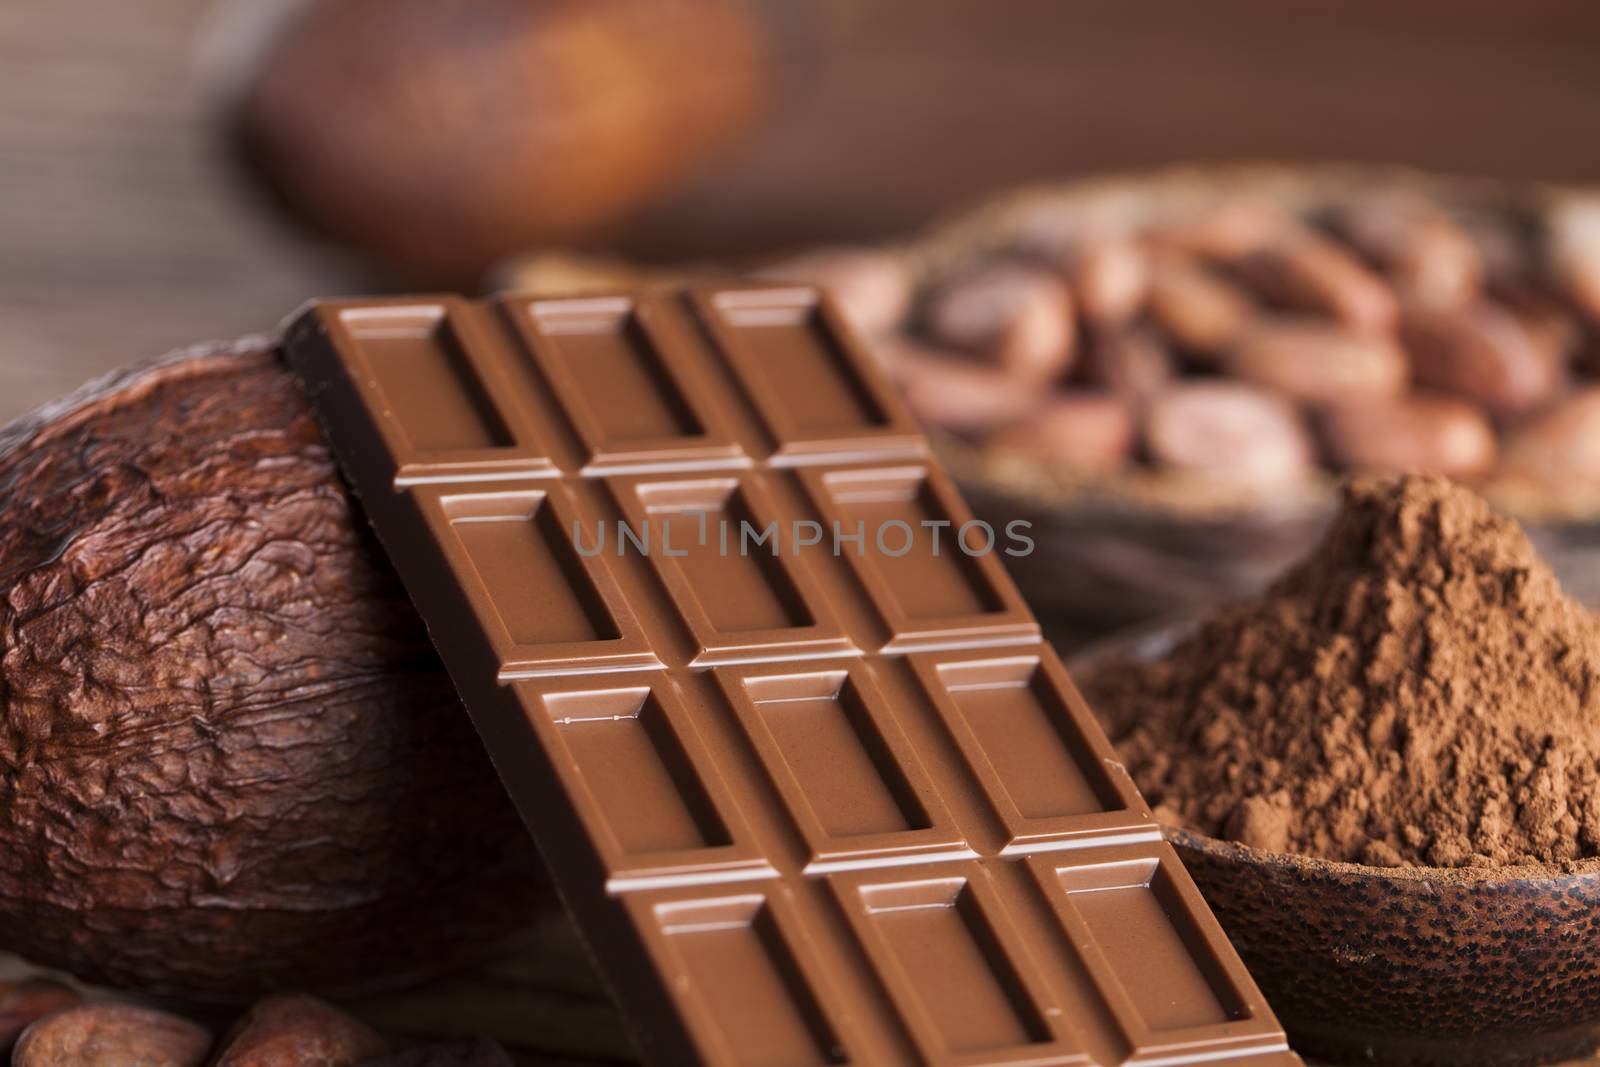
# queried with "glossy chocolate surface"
point(811, 803)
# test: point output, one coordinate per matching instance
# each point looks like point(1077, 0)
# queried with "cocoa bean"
point(1428, 256)
point(1319, 362)
point(470, 1052)
point(1131, 362)
point(1422, 432)
point(111, 1035)
point(1574, 250)
point(1481, 352)
point(1091, 432)
point(957, 394)
point(1504, 248)
point(1552, 325)
point(1226, 231)
point(1559, 448)
point(1110, 278)
point(1308, 272)
point(1202, 312)
point(1228, 432)
point(23, 1002)
point(1021, 318)
point(870, 286)
point(290, 1031)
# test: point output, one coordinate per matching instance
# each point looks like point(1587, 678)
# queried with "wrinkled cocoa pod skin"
point(112, 1035)
point(298, 1031)
point(230, 761)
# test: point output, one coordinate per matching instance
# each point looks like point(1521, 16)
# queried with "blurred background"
point(129, 227)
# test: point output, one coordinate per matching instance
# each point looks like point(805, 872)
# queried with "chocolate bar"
point(801, 765)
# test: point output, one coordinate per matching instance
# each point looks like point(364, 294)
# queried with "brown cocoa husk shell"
point(230, 761)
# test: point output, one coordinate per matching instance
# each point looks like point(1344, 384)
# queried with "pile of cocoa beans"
point(46, 1024)
point(1250, 341)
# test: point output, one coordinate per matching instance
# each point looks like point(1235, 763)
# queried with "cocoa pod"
point(956, 394)
point(869, 286)
point(469, 1052)
point(1021, 318)
point(1090, 432)
point(1422, 432)
point(1110, 278)
point(1228, 432)
point(232, 760)
point(1131, 362)
point(1308, 272)
point(291, 1031)
point(1559, 448)
point(522, 151)
point(1319, 362)
point(23, 1002)
point(1428, 256)
point(112, 1035)
point(1202, 312)
point(1481, 352)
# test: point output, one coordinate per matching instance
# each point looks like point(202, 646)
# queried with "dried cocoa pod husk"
point(544, 122)
point(112, 1035)
point(232, 761)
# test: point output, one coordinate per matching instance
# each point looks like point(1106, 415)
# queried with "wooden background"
point(124, 231)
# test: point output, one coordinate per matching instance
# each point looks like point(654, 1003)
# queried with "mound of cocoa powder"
point(1419, 691)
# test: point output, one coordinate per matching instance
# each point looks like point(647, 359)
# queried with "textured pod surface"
point(229, 758)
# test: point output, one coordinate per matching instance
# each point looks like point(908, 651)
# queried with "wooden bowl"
point(1105, 559)
point(1145, 542)
point(1418, 965)
point(1412, 965)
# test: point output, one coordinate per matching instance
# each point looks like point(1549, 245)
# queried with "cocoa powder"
point(1418, 691)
